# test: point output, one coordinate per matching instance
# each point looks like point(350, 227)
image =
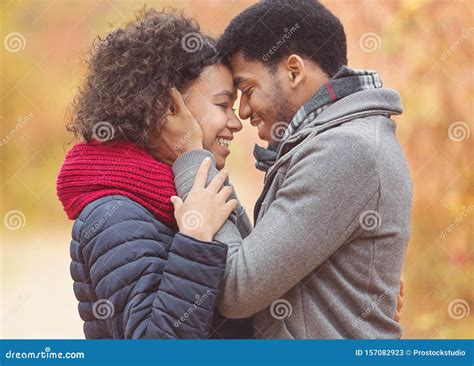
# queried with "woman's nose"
point(233, 123)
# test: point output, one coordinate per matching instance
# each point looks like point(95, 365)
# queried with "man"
point(332, 223)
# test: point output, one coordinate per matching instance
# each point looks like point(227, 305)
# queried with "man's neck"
point(316, 79)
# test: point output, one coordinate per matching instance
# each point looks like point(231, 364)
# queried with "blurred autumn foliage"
point(424, 49)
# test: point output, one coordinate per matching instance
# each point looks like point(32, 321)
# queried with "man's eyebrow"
point(239, 80)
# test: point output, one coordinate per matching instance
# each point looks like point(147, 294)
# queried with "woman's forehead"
point(217, 80)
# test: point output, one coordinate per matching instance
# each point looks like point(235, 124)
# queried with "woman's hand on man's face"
point(179, 134)
point(205, 209)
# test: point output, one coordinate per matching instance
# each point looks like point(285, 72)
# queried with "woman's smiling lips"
point(224, 142)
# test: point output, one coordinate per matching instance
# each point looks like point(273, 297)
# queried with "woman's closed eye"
point(225, 106)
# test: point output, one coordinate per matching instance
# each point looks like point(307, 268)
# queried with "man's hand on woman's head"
point(179, 134)
point(205, 209)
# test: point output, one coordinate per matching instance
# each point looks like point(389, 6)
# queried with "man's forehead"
point(243, 69)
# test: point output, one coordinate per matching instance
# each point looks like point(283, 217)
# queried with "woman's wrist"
point(197, 234)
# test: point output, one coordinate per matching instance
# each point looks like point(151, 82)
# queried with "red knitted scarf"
point(94, 170)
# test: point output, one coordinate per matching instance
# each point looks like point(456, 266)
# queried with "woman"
point(134, 275)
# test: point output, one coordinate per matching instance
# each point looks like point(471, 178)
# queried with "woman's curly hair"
point(130, 74)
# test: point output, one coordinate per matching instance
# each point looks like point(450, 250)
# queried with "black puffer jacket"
point(135, 278)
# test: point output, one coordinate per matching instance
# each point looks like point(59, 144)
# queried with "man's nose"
point(245, 111)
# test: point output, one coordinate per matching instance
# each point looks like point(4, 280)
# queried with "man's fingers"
point(217, 182)
point(402, 285)
point(397, 316)
point(201, 175)
point(399, 303)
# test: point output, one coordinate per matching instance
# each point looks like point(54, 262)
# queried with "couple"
point(161, 247)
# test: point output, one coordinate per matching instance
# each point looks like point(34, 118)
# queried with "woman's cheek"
point(208, 139)
point(212, 123)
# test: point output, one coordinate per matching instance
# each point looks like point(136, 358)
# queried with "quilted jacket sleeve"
point(157, 286)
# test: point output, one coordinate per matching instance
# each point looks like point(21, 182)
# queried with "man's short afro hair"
point(271, 30)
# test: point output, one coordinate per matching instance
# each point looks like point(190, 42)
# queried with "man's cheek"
point(266, 132)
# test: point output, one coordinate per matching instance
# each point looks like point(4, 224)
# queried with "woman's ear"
point(296, 70)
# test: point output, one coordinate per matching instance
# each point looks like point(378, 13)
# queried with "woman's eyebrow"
point(226, 93)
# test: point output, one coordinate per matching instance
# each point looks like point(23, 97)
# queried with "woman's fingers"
point(225, 193)
point(201, 175)
point(230, 206)
point(218, 181)
point(177, 101)
point(177, 202)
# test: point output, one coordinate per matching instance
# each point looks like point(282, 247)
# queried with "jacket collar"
point(383, 101)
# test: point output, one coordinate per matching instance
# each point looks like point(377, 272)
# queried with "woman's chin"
point(220, 162)
point(220, 154)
